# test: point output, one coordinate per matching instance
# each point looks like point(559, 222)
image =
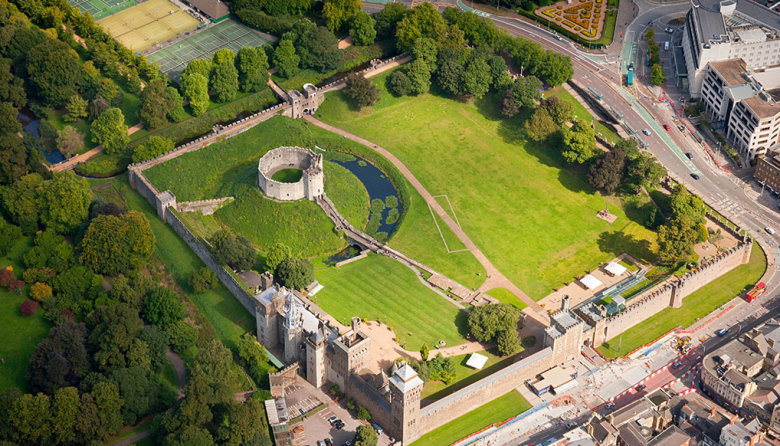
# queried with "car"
point(347, 443)
point(609, 405)
point(689, 155)
point(640, 387)
point(722, 332)
point(570, 424)
point(328, 442)
point(667, 127)
point(646, 132)
point(320, 443)
point(695, 176)
point(332, 420)
point(557, 37)
point(669, 29)
point(378, 428)
point(297, 429)
point(770, 231)
point(339, 425)
point(676, 365)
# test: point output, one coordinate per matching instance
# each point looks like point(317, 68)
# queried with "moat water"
point(379, 187)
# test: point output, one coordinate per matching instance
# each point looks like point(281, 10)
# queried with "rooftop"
point(212, 8)
point(277, 411)
point(672, 436)
point(731, 70)
point(405, 379)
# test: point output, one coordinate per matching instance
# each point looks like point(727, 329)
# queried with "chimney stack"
point(565, 303)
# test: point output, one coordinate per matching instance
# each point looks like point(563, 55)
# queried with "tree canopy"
point(488, 322)
point(361, 91)
point(295, 273)
point(607, 173)
point(55, 72)
point(117, 244)
point(110, 131)
point(196, 92)
point(362, 28)
point(579, 143)
point(224, 75)
point(252, 64)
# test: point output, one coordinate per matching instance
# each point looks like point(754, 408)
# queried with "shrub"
point(203, 280)
point(40, 291)
point(162, 307)
point(6, 277)
point(16, 286)
point(351, 404)
point(29, 307)
point(181, 336)
point(363, 414)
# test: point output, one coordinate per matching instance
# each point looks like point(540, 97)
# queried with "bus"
point(630, 77)
point(757, 290)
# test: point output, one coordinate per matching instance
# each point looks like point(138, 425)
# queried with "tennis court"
point(102, 8)
point(148, 23)
point(226, 34)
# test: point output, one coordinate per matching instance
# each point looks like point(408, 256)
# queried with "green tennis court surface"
point(202, 45)
point(102, 8)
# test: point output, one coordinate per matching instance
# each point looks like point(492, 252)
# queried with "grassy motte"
point(695, 306)
point(498, 410)
point(20, 334)
point(531, 213)
point(380, 288)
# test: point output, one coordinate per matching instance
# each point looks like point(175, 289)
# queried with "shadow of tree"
point(617, 242)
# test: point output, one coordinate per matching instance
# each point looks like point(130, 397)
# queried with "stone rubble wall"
point(206, 207)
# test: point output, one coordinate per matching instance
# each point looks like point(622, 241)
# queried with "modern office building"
point(743, 103)
point(725, 30)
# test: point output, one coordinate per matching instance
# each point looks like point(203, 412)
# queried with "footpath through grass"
point(380, 288)
point(695, 306)
point(20, 334)
point(495, 411)
point(530, 213)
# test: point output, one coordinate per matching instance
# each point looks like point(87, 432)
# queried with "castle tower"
point(266, 280)
point(314, 181)
point(267, 318)
point(405, 390)
point(292, 330)
point(747, 250)
point(315, 358)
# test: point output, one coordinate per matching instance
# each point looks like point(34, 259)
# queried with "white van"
point(770, 231)
point(666, 46)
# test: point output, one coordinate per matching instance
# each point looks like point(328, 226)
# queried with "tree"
point(421, 21)
point(77, 108)
point(162, 308)
point(560, 111)
point(116, 328)
point(233, 250)
point(69, 141)
point(508, 343)
point(607, 172)
point(399, 83)
point(50, 250)
point(22, 201)
point(361, 91)
point(276, 254)
point(555, 68)
point(117, 244)
point(6, 277)
point(9, 234)
point(241, 423)
point(295, 273)
point(388, 18)
point(285, 58)
point(61, 360)
point(579, 143)
point(11, 87)
point(40, 291)
point(8, 115)
point(451, 62)
point(157, 344)
point(317, 47)
point(176, 113)
point(527, 91)
point(425, 49)
point(338, 13)
point(65, 412)
point(363, 414)
point(54, 71)
point(366, 436)
point(441, 369)
point(509, 106)
point(677, 237)
point(28, 307)
point(424, 351)
point(540, 126)
point(419, 77)
point(203, 280)
point(182, 336)
point(109, 403)
point(96, 107)
point(137, 391)
point(684, 203)
point(196, 92)
point(252, 66)
point(110, 131)
point(488, 321)
point(16, 162)
point(156, 104)
point(476, 77)
point(65, 202)
point(152, 148)
point(362, 28)
point(224, 76)
point(645, 170)
point(657, 74)
point(30, 418)
point(197, 66)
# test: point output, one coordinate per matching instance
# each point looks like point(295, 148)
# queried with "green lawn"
point(464, 375)
point(223, 311)
point(20, 334)
point(695, 306)
point(380, 288)
point(495, 411)
point(506, 297)
point(582, 114)
point(531, 214)
point(347, 193)
point(287, 175)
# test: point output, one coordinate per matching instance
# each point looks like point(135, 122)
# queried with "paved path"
point(495, 279)
point(181, 370)
point(72, 162)
point(134, 439)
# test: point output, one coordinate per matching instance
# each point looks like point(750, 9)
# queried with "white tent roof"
point(615, 269)
point(476, 361)
point(590, 282)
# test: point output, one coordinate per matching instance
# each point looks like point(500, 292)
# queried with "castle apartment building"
point(744, 374)
point(743, 103)
point(730, 29)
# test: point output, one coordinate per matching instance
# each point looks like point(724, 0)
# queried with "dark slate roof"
point(212, 8)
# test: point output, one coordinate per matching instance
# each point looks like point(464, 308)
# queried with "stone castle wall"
point(310, 185)
point(483, 391)
point(206, 207)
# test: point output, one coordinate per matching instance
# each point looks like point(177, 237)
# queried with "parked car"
point(332, 420)
point(722, 332)
point(347, 443)
point(297, 429)
point(378, 428)
point(666, 127)
point(689, 155)
point(609, 405)
point(328, 442)
point(320, 443)
point(676, 365)
point(338, 424)
point(640, 387)
point(646, 132)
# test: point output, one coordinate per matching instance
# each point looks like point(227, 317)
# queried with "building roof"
point(476, 361)
point(632, 411)
point(212, 8)
point(250, 278)
point(672, 436)
point(405, 379)
point(590, 282)
point(731, 70)
point(615, 268)
point(763, 105)
point(554, 378)
point(277, 411)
